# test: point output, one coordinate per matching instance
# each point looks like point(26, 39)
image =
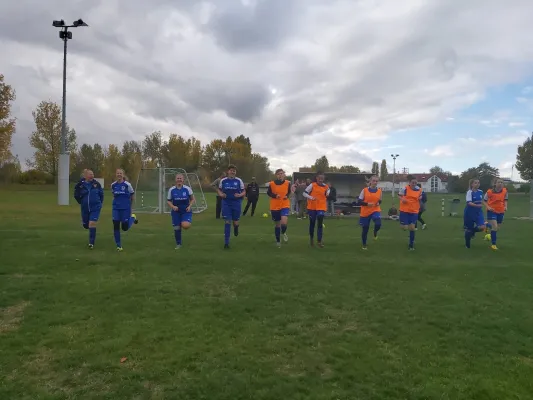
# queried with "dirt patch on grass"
point(11, 317)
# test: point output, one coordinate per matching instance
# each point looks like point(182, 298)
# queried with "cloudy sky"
point(437, 82)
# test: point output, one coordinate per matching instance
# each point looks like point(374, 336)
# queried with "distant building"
point(437, 183)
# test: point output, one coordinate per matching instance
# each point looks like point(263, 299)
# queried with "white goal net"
point(152, 188)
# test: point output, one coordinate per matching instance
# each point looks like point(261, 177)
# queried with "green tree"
point(524, 159)
point(383, 171)
point(112, 161)
point(7, 123)
point(152, 146)
point(131, 159)
point(375, 168)
point(10, 170)
point(214, 158)
point(46, 139)
point(436, 170)
point(348, 169)
point(321, 164)
point(484, 172)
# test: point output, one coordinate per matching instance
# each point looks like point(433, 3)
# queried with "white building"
point(430, 183)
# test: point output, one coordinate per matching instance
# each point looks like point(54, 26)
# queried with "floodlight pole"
point(64, 155)
point(394, 157)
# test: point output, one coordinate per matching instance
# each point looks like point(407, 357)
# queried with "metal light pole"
point(64, 156)
point(394, 157)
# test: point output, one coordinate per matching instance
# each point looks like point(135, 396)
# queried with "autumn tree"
point(152, 146)
point(46, 139)
point(214, 159)
point(383, 171)
point(112, 161)
point(7, 122)
point(131, 159)
point(524, 159)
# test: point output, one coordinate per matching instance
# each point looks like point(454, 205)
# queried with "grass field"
point(257, 322)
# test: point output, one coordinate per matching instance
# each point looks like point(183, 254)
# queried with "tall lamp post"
point(394, 157)
point(64, 156)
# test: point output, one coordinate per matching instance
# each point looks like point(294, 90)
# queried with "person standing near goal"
point(231, 190)
point(90, 196)
point(279, 191)
point(123, 196)
point(180, 199)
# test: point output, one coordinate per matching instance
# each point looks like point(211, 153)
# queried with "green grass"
point(258, 322)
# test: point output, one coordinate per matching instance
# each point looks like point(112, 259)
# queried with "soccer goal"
point(152, 188)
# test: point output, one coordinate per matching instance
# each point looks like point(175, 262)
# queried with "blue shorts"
point(277, 214)
point(179, 217)
point(121, 215)
point(493, 216)
point(313, 214)
point(231, 210)
point(93, 216)
point(473, 220)
point(375, 216)
point(408, 218)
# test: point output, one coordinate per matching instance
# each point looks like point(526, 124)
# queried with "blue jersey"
point(122, 192)
point(475, 197)
point(180, 197)
point(230, 187)
point(89, 195)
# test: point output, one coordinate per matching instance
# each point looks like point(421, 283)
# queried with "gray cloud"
point(300, 78)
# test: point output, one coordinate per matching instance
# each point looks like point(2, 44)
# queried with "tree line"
point(208, 160)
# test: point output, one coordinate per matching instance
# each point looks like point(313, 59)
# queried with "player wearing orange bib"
point(409, 207)
point(279, 191)
point(495, 201)
point(370, 201)
point(317, 204)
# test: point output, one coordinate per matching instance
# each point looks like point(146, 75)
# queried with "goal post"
point(153, 185)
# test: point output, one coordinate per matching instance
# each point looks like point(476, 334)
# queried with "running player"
point(496, 202)
point(180, 200)
point(317, 204)
point(279, 191)
point(123, 196)
point(409, 207)
point(231, 190)
point(90, 196)
point(473, 213)
point(370, 202)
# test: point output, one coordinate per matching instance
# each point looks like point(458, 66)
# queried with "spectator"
point(219, 199)
point(294, 202)
point(332, 198)
point(252, 196)
point(301, 200)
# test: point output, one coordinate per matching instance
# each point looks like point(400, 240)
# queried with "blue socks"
point(493, 237)
point(277, 231)
point(131, 222)
point(319, 230)
point(468, 238)
point(411, 239)
point(227, 232)
point(364, 235)
point(116, 234)
point(236, 230)
point(377, 227)
point(177, 236)
point(283, 229)
point(312, 227)
point(92, 235)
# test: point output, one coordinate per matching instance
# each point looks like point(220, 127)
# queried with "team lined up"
point(90, 195)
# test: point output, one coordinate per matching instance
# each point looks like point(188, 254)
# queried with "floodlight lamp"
point(58, 24)
point(79, 23)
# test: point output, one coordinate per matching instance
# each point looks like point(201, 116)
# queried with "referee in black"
point(252, 196)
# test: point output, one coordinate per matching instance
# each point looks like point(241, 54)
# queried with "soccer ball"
point(487, 236)
point(265, 215)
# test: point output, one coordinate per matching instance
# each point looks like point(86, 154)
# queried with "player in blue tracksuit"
point(180, 200)
point(231, 189)
point(474, 221)
point(123, 195)
point(90, 196)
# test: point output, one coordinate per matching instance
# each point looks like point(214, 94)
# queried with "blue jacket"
point(89, 195)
